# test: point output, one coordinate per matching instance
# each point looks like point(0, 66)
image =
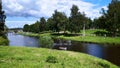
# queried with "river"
point(104, 51)
point(20, 40)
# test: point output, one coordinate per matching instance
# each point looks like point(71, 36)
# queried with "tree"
point(76, 20)
point(26, 28)
point(42, 24)
point(113, 17)
point(100, 23)
point(59, 21)
point(2, 19)
point(35, 27)
point(89, 24)
point(50, 24)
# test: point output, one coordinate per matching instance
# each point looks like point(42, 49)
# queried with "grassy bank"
point(93, 39)
point(29, 34)
point(23, 57)
point(90, 37)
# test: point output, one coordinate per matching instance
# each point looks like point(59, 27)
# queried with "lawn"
point(94, 39)
point(25, 57)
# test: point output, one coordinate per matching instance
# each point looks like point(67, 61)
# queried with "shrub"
point(46, 41)
point(104, 65)
point(3, 41)
point(51, 59)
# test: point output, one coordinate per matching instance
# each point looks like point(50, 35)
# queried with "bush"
point(46, 41)
point(51, 59)
point(3, 41)
point(104, 65)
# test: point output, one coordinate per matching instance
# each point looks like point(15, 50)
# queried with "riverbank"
point(22, 57)
point(93, 39)
point(90, 37)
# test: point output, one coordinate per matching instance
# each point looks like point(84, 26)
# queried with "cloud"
point(14, 24)
point(45, 8)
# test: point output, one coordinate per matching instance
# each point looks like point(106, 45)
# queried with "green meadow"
point(25, 57)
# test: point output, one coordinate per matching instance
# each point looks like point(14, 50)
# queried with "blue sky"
point(20, 12)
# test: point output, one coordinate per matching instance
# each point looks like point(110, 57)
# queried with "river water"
point(104, 51)
point(20, 40)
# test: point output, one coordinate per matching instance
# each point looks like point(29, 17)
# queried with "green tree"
point(26, 28)
point(50, 24)
point(59, 21)
point(76, 20)
point(113, 17)
point(2, 19)
point(42, 24)
point(100, 23)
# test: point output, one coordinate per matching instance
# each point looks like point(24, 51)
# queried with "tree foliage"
point(76, 19)
point(60, 22)
point(42, 24)
point(113, 17)
point(110, 20)
point(2, 19)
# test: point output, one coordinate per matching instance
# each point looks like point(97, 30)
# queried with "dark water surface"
point(105, 51)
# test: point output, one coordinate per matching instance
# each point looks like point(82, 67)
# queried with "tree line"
point(60, 22)
point(109, 21)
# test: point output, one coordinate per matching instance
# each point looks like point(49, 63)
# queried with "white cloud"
point(45, 8)
point(17, 24)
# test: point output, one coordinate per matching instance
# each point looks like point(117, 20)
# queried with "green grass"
point(29, 34)
point(24, 57)
point(92, 31)
point(90, 37)
point(93, 39)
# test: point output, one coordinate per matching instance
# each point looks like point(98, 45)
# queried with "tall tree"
point(50, 24)
point(76, 19)
point(42, 24)
point(59, 21)
point(2, 19)
point(113, 17)
point(100, 23)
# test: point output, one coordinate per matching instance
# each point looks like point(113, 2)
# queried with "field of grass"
point(25, 57)
point(91, 37)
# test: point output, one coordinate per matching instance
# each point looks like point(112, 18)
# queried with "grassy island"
point(90, 37)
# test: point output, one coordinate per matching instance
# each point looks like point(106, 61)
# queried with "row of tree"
point(109, 21)
point(60, 22)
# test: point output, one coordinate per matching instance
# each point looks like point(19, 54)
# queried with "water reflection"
point(95, 50)
point(105, 51)
point(19, 40)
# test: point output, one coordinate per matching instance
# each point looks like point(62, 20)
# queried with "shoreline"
point(84, 39)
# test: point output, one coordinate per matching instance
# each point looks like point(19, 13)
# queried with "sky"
point(20, 12)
